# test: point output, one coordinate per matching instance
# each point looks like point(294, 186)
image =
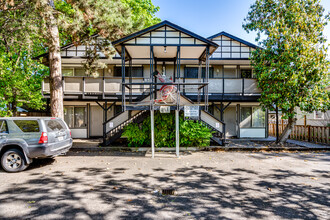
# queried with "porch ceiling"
point(140, 52)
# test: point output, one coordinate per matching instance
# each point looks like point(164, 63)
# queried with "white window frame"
point(322, 115)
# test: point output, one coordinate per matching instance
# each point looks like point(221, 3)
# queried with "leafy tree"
point(291, 68)
point(20, 76)
point(77, 21)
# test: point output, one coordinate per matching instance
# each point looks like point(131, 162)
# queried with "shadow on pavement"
point(203, 192)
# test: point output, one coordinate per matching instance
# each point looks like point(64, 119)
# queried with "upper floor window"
point(80, 72)
point(246, 73)
point(67, 72)
point(137, 71)
point(192, 72)
point(318, 115)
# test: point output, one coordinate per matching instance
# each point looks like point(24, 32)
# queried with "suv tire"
point(13, 161)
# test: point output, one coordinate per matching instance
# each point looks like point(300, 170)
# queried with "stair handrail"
point(222, 122)
point(132, 118)
point(116, 115)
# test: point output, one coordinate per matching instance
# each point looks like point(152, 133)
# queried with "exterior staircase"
point(115, 125)
point(116, 132)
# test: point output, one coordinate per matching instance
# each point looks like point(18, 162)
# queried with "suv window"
point(27, 125)
point(3, 127)
point(54, 125)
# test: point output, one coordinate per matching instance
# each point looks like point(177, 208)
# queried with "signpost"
point(191, 112)
point(165, 109)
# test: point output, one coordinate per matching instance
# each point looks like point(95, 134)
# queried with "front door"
point(230, 120)
point(96, 121)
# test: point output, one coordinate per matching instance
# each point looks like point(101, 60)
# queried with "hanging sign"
point(191, 112)
point(164, 109)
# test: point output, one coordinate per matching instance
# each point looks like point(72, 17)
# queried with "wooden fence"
point(316, 134)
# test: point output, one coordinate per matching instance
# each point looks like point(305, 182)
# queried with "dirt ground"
point(209, 185)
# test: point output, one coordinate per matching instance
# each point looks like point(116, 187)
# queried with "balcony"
point(89, 86)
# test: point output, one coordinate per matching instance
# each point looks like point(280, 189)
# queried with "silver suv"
point(22, 139)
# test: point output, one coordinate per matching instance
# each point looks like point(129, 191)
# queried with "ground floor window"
point(75, 117)
point(252, 117)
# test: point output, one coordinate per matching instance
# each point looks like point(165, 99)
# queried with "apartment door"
point(96, 121)
point(230, 120)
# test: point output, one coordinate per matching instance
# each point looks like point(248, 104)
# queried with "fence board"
point(316, 134)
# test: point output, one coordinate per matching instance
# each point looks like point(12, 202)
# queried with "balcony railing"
point(112, 85)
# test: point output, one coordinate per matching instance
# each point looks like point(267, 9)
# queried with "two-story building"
point(214, 72)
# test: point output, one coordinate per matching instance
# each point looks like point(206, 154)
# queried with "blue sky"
point(208, 17)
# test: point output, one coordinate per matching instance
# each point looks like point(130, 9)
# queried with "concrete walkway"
point(232, 145)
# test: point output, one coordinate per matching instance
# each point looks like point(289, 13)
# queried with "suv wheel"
point(13, 161)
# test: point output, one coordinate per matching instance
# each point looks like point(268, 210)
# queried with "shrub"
point(192, 133)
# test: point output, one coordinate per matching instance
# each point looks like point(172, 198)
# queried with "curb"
point(195, 149)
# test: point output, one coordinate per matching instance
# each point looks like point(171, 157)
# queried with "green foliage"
point(135, 136)
point(20, 83)
point(32, 27)
point(291, 68)
point(20, 76)
point(191, 133)
point(194, 134)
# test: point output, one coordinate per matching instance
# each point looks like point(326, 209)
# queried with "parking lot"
point(208, 185)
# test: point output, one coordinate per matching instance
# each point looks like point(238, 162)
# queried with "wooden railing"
point(316, 134)
point(108, 85)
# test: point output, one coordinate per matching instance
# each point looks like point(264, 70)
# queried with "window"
point(252, 117)
point(54, 125)
point(3, 127)
point(27, 125)
point(318, 115)
point(192, 72)
point(75, 117)
point(79, 72)
point(137, 71)
point(246, 73)
point(246, 117)
point(67, 72)
point(117, 109)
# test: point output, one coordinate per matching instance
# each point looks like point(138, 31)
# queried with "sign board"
point(164, 109)
point(111, 125)
point(191, 112)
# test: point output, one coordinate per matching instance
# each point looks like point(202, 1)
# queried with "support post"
point(152, 120)
point(177, 133)
point(105, 119)
point(277, 128)
point(130, 80)
point(199, 80)
point(123, 78)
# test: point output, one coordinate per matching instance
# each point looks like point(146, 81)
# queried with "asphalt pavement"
point(206, 185)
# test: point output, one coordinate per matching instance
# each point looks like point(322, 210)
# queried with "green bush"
point(191, 133)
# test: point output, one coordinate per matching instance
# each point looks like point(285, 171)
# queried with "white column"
point(152, 119)
point(177, 134)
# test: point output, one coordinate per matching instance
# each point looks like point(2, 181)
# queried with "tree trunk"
point(287, 131)
point(56, 86)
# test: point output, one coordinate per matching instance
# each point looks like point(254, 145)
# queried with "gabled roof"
point(234, 38)
point(161, 24)
point(62, 48)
